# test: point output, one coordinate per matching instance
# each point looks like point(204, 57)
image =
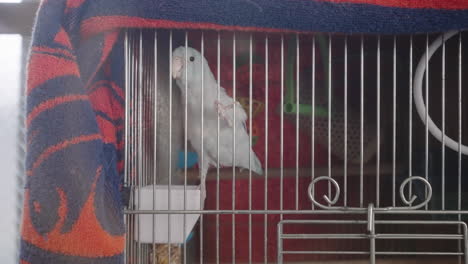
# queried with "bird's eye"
point(192, 58)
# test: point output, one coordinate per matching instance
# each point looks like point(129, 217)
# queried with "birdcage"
point(361, 139)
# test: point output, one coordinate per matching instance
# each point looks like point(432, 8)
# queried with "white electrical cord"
point(418, 98)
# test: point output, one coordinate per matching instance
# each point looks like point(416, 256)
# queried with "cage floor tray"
point(155, 228)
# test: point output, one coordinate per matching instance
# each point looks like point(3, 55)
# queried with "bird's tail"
point(256, 164)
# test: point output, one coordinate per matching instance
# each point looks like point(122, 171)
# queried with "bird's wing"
point(226, 100)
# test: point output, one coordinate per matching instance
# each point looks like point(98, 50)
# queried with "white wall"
point(10, 62)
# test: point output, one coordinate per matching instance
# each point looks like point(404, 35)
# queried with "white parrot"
point(224, 108)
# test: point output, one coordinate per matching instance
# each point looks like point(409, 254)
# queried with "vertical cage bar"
point(377, 182)
point(127, 107)
point(218, 55)
point(133, 129)
point(250, 145)
point(170, 149)
point(394, 135)
point(459, 200)
point(155, 147)
point(128, 139)
point(329, 111)
point(443, 123)
point(459, 122)
point(345, 132)
point(202, 177)
point(185, 146)
point(146, 163)
point(361, 163)
point(127, 126)
point(234, 149)
point(132, 144)
point(149, 173)
point(297, 120)
point(265, 257)
point(312, 132)
point(145, 97)
point(136, 146)
point(426, 135)
point(135, 143)
point(282, 125)
point(410, 123)
point(140, 133)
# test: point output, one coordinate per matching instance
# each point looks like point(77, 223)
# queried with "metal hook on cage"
point(331, 202)
point(414, 197)
point(334, 200)
point(311, 192)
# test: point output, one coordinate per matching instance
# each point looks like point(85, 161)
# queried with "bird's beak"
point(177, 64)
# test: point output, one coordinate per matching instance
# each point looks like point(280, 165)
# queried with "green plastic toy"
point(290, 105)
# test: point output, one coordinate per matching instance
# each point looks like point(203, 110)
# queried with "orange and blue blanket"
point(73, 209)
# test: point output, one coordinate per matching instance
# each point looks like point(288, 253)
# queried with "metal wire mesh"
point(346, 131)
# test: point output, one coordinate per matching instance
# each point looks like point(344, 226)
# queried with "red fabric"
point(95, 25)
point(40, 63)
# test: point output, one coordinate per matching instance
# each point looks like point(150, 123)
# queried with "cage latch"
point(371, 230)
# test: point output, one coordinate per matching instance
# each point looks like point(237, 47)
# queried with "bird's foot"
point(221, 109)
